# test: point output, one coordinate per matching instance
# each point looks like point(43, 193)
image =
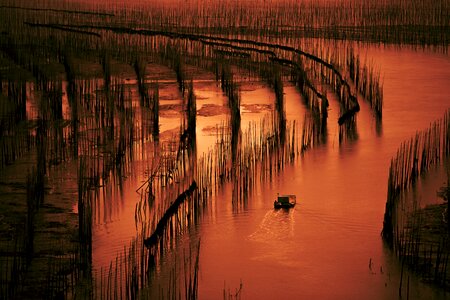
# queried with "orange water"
point(322, 248)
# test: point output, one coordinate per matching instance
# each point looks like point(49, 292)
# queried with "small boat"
point(284, 201)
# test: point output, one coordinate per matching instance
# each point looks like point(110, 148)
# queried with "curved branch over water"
point(64, 11)
point(227, 42)
point(153, 239)
point(63, 28)
point(204, 38)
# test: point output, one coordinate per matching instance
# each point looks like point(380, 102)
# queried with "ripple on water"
point(275, 238)
point(277, 225)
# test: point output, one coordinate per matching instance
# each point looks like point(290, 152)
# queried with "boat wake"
point(274, 238)
point(277, 225)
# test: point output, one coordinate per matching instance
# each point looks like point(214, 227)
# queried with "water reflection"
point(335, 231)
point(326, 242)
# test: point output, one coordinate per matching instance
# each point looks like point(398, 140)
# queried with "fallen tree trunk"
point(173, 208)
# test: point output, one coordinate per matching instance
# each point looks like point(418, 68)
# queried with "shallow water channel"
point(329, 246)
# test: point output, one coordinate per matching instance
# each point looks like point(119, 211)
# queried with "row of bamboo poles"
point(413, 22)
point(158, 41)
point(103, 127)
point(404, 222)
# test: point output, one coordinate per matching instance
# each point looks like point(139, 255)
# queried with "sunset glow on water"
point(143, 145)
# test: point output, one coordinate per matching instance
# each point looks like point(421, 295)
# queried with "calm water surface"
point(321, 249)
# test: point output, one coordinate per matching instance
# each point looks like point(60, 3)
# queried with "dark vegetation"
point(66, 103)
point(419, 235)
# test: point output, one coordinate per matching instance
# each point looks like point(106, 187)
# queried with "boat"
point(284, 201)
